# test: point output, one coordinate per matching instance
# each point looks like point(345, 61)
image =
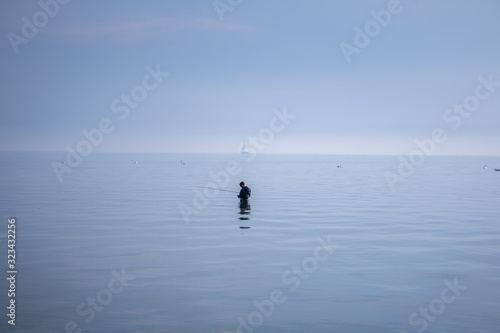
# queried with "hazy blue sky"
point(226, 77)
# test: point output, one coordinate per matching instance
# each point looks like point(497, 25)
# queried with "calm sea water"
point(326, 249)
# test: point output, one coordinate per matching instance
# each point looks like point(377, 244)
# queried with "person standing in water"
point(245, 192)
point(244, 195)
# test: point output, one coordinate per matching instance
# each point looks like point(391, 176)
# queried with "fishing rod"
point(218, 189)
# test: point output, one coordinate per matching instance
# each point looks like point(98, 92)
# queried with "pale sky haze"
point(225, 77)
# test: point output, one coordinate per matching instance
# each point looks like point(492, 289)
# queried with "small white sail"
point(243, 149)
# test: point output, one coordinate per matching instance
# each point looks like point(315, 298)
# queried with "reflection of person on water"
point(244, 195)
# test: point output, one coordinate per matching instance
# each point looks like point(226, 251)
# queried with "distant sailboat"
point(244, 150)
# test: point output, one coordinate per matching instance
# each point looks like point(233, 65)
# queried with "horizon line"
point(236, 153)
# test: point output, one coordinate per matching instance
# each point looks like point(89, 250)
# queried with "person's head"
point(242, 184)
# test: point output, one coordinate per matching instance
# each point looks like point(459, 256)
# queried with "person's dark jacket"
point(245, 193)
